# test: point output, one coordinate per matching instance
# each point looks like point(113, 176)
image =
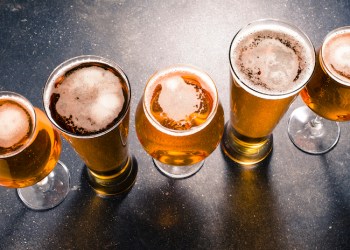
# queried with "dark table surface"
point(295, 201)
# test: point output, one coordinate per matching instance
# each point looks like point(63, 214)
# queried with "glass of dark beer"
point(88, 99)
point(270, 62)
point(327, 95)
point(179, 120)
point(29, 153)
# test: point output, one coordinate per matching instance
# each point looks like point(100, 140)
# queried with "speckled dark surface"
point(295, 201)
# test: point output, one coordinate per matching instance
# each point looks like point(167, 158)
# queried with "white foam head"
point(175, 90)
point(14, 123)
point(272, 58)
point(178, 99)
point(92, 97)
point(336, 54)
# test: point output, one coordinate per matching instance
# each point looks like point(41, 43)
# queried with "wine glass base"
point(49, 192)
point(309, 138)
point(178, 172)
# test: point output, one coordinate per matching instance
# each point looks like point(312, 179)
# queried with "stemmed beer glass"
point(327, 95)
point(179, 120)
point(29, 153)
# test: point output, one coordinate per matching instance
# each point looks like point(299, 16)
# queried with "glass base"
point(310, 137)
point(178, 172)
point(49, 192)
point(120, 183)
point(247, 154)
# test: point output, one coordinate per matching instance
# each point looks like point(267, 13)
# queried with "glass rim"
point(70, 64)
point(185, 68)
point(29, 107)
point(321, 58)
point(261, 93)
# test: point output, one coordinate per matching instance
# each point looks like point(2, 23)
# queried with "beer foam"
point(14, 124)
point(90, 98)
point(272, 60)
point(336, 55)
point(180, 98)
point(175, 91)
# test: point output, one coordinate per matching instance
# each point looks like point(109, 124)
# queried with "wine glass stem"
point(44, 185)
point(316, 126)
point(316, 122)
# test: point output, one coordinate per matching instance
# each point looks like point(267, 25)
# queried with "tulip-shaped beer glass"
point(179, 120)
point(29, 153)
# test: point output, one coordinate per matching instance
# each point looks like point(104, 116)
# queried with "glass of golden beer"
point(88, 99)
point(270, 62)
point(327, 95)
point(29, 153)
point(179, 120)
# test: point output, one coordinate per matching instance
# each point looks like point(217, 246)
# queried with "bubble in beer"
point(90, 98)
point(337, 55)
point(272, 60)
point(14, 124)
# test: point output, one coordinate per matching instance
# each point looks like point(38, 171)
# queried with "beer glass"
point(29, 153)
point(88, 99)
point(179, 120)
point(270, 63)
point(327, 95)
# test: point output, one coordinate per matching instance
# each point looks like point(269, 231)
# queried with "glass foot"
point(310, 133)
point(118, 184)
point(246, 152)
point(49, 192)
point(178, 172)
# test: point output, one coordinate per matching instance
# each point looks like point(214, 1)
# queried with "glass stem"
point(316, 126)
point(44, 185)
point(317, 121)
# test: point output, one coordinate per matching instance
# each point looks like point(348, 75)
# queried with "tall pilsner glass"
point(271, 61)
point(88, 99)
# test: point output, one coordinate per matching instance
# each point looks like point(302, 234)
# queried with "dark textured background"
point(295, 201)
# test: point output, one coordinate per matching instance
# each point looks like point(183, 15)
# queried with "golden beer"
point(271, 61)
point(328, 92)
point(29, 146)
point(250, 109)
point(179, 120)
point(88, 98)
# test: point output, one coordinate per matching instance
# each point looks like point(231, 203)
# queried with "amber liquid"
point(327, 97)
point(163, 140)
point(254, 118)
point(105, 155)
point(36, 161)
